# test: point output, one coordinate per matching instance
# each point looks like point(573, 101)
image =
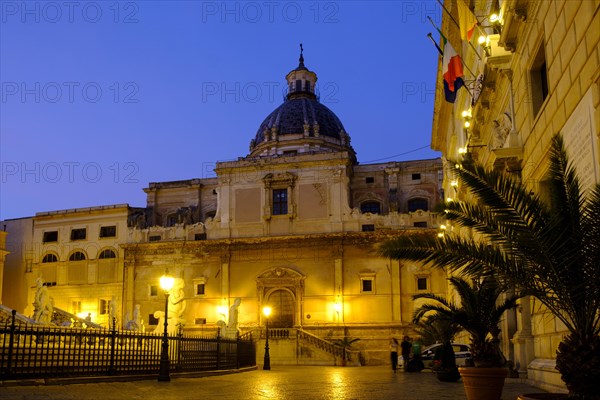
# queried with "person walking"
point(417, 364)
point(394, 353)
point(406, 347)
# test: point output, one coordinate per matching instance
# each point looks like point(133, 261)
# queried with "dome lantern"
point(301, 81)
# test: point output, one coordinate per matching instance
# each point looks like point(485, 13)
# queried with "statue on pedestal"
point(176, 307)
point(43, 307)
point(230, 330)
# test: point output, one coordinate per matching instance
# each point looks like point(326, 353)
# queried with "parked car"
point(462, 353)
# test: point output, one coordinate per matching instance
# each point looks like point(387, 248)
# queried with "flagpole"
point(461, 59)
point(430, 36)
point(458, 25)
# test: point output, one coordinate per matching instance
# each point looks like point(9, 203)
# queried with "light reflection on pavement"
point(280, 383)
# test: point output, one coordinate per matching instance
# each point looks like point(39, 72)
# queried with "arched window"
point(418, 204)
point(373, 207)
point(108, 253)
point(172, 219)
point(77, 256)
point(50, 258)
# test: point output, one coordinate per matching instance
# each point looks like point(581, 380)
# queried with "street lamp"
point(166, 283)
point(267, 362)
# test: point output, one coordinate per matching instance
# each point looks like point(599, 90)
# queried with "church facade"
point(294, 225)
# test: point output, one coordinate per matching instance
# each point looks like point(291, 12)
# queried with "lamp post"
point(267, 361)
point(166, 283)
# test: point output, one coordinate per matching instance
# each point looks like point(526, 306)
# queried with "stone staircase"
point(59, 318)
point(298, 347)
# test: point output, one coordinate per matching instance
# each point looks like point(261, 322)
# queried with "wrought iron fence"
point(32, 351)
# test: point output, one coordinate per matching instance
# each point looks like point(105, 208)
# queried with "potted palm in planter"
point(478, 313)
point(345, 344)
point(441, 330)
point(547, 247)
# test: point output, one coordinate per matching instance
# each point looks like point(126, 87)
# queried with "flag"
point(466, 21)
point(452, 71)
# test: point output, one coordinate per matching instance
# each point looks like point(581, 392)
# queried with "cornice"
point(274, 242)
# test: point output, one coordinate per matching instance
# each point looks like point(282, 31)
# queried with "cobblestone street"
point(281, 383)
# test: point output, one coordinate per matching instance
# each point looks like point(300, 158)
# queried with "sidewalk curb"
point(118, 378)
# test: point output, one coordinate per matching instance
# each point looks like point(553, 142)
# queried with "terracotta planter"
point(483, 383)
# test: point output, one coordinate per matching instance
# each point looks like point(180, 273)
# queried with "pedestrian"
point(406, 347)
point(416, 363)
point(394, 353)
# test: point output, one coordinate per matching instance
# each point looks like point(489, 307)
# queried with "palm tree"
point(345, 344)
point(479, 313)
point(547, 247)
point(432, 330)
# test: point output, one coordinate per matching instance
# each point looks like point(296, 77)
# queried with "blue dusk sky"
point(99, 98)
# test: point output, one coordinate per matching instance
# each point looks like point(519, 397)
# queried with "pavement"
point(280, 383)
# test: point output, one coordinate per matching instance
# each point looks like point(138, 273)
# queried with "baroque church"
point(295, 225)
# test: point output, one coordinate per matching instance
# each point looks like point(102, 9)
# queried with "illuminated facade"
point(535, 72)
point(293, 225)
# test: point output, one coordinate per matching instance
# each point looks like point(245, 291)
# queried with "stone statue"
point(501, 129)
point(230, 330)
point(43, 307)
point(176, 308)
point(137, 323)
point(112, 310)
point(233, 314)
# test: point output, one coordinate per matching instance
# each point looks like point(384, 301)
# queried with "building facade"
point(534, 73)
point(294, 225)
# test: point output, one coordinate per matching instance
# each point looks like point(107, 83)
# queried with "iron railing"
point(33, 351)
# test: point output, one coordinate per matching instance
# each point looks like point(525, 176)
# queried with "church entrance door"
point(282, 303)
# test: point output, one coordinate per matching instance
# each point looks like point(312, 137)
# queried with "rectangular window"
point(416, 177)
point(78, 234)
point(366, 286)
point(200, 289)
point(420, 224)
point(421, 283)
point(200, 236)
point(539, 80)
point(154, 238)
point(200, 321)
point(368, 228)
point(152, 320)
point(369, 179)
point(280, 202)
point(51, 236)
point(104, 307)
point(108, 231)
point(75, 307)
point(153, 290)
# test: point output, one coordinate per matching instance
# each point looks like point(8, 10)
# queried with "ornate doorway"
point(282, 289)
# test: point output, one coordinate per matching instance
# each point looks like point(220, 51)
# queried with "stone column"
point(523, 338)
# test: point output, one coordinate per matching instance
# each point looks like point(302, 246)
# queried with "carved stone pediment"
point(280, 277)
point(282, 179)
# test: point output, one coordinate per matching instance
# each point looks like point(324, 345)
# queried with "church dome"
point(297, 114)
point(301, 124)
